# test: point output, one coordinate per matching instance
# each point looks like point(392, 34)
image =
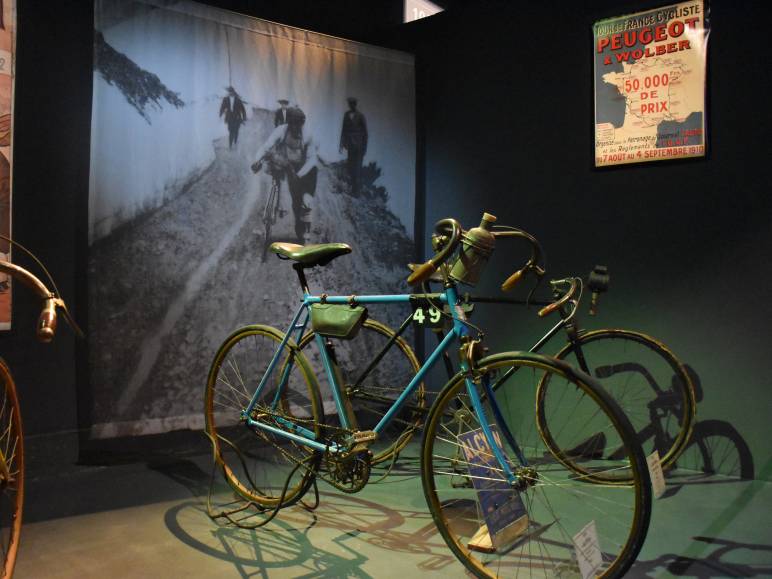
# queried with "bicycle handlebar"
point(46, 327)
point(574, 284)
point(533, 262)
point(449, 227)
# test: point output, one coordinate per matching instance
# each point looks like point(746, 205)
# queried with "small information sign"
point(587, 548)
point(656, 474)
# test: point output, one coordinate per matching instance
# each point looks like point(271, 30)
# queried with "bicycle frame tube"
point(272, 365)
point(435, 355)
point(300, 434)
point(376, 360)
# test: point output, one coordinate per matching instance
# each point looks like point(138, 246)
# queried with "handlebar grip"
point(547, 310)
point(421, 273)
point(47, 321)
point(512, 280)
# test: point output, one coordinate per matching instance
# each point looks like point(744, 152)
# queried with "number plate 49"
point(427, 317)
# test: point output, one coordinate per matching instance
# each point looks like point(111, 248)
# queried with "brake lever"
point(539, 277)
point(70, 320)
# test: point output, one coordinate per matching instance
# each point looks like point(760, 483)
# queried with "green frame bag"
point(337, 320)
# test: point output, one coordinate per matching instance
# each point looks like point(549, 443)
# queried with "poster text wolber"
point(650, 85)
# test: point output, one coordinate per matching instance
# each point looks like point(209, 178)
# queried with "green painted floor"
point(140, 511)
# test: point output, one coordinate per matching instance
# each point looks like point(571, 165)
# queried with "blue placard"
point(500, 503)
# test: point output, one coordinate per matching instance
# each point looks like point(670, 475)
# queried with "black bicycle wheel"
point(539, 525)
point(645, 378)
point(373, 390)
point(258, 463)
point(11, 471)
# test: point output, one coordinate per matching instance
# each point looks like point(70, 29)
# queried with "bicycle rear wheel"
point(643, 376)
point(554, 507)
point(373, 390)
point(11, 471)
point(256, 463)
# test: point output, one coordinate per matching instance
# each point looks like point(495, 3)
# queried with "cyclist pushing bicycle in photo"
point(290, 153)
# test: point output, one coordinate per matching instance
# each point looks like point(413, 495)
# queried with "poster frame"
point(706, 123)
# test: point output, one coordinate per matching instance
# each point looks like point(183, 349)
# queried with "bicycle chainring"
point(348, 472)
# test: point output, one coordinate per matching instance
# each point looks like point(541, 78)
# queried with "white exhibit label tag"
point(656, 474)
point(587, 550)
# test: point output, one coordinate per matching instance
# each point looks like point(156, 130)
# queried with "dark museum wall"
point(505, 125)
point(505, 99)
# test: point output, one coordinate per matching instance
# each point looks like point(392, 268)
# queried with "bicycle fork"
point(513, 479)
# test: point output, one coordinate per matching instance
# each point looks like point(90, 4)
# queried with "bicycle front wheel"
point(11, 471)
point(376, 366)
point(541, 526)
point(644, 377)
point(261, 465)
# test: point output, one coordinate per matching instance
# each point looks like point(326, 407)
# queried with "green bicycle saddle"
point(310, 255)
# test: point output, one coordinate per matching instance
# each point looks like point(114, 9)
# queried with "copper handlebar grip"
point(47, 321)
point(422, 273)
point(512, 280)
point(546, 310)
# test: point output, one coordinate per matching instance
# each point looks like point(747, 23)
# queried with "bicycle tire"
point(12, 475)
point(374, 395)
point(645, 378)
point(255, 462)
point(546, 543)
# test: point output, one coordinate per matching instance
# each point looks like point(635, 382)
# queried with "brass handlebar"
point(424, 271)
point(533, 262)
point(47, 321)
point(26, 278)
point(546, 310)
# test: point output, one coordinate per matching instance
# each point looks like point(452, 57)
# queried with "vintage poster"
point(7, 49)
point(214, 135)
point(650, 85)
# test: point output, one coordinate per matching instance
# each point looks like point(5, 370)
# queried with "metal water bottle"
point(476, 247)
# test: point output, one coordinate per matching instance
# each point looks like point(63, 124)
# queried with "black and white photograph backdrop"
point(213, 135)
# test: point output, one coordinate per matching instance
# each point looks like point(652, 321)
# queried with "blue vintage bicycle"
point(505, 498)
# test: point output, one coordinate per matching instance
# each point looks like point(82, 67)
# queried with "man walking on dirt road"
point(232, 108)
point(353, 138)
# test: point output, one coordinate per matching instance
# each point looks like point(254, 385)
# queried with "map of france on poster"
point(650, 85)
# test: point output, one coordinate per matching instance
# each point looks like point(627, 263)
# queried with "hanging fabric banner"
point(650, 85)
point(213, 135)
point(7, 73)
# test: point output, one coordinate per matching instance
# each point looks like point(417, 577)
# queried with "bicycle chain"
point(329, 458)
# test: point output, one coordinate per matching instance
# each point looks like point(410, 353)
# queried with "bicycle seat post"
point(298, 267)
